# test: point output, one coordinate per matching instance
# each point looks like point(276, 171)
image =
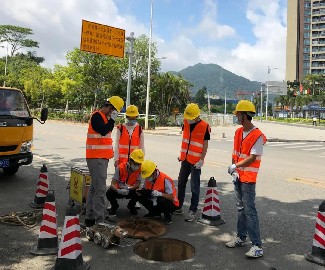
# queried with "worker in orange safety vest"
point(246, 160)
point(158, 194)
point(196, 134)
point(99, 150)
point(129, 136)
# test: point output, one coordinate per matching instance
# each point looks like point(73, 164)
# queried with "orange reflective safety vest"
point(242, 149)
point(192, 142)
point(128, 142)
point(98, 146)
point(159, 185)
point(126, 177)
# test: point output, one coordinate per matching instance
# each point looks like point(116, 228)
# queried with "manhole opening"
point(164, 250)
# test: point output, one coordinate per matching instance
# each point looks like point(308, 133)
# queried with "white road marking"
point(313, 149)
point(288, 144)
point(42, 158)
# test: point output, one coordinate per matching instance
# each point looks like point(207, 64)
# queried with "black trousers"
point(164, 206)
point(112, 197)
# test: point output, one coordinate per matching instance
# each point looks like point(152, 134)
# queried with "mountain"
point(217, 80)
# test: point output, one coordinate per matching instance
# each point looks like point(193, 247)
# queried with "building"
point(305, 39)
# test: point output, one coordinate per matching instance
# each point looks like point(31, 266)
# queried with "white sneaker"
point(190, 216)
point(255, 252)
point(237, 242)
point(137, 205)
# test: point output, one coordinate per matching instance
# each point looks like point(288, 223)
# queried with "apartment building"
point(305, 38)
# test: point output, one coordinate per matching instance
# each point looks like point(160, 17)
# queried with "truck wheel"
point(10, 170)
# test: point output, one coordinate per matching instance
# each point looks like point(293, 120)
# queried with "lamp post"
point(128, 89)
point(149, 69)
point(267, 90)
point(4, 81)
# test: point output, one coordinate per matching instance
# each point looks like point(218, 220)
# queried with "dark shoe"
point(168, 218)
point(178, 211)
point(169, 221)
point(133, 211)
point(112, 211)
point(89, 222)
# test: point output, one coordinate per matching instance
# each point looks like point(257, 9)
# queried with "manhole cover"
point(164, 250)
point(142, 228)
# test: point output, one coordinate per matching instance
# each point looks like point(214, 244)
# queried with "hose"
point(26, 218)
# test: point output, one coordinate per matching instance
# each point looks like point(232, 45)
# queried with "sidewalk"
point(276, 132)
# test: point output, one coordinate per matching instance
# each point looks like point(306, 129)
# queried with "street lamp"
point(149, 69)
point(267, 90)
point(261, 110)
point(128, 90)
point(4, 82)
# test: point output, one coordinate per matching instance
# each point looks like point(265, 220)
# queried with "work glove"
point(123, 192)
point(199, 164)
point(232, 168)
point(114, 114)
point(156, 193)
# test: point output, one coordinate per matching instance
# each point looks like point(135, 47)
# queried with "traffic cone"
point(48, 237)
point(211, 211)
point(70, 249)
point(317, 254)
point(41, 190)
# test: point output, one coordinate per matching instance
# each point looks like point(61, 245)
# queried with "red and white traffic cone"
point(70, 249)
point(48, 236)
point(211, 210)
point(41, 190)
point(317, 254)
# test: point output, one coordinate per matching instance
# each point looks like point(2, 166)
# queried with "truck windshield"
point(12, 102)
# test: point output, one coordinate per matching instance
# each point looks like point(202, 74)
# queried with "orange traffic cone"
point(70, 249)
point(48, 237)
point(41, 190)
point(211, 211)
point(317, 254)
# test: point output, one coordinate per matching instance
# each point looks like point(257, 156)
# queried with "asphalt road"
point(291, 186)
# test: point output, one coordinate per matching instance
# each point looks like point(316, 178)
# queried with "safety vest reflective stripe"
point(248, 169)
point(127, 147)
point(196, 144)
point(99, 146)
point(240, 155)
point(123, 156)
point(98, 136)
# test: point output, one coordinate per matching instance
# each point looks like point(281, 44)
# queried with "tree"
point(200, 97)
point(16, 36)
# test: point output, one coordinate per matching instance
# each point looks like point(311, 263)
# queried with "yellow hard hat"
point(245, 106)
point(192, 111)
point(137, 155)
point(117, 102)
point(147, 168)
point(132, 111)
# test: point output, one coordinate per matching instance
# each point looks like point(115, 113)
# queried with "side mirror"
point(44, 114)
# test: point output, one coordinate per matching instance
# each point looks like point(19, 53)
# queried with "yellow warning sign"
point(102, 39)
point(76, 184)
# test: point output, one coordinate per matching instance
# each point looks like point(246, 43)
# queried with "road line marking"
point(42, 158)
point(313, 149)
point(289, 144)
point(295, 146)
point(307, 182)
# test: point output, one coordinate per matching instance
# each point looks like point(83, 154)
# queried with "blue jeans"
point(247, 215)
point(187, 169)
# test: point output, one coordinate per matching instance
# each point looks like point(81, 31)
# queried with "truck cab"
point(16, 130)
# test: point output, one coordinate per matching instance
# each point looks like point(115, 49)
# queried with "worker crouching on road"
point(125, 182)
point(99, 150)
point(196, 134)
point(246, 159)
point(129, 136)
point(158, 194)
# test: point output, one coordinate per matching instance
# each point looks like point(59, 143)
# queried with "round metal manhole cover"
point(142, 228)
point(164, 250)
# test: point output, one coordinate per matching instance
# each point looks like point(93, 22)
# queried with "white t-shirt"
point(257, 148)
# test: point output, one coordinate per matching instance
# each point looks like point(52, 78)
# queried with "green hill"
point(217, 80)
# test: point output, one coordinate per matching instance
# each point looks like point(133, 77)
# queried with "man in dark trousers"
point(99, 150)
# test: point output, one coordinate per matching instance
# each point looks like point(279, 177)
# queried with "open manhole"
point(164, 250)
point(142, 228)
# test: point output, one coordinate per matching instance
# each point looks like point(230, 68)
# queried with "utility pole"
point(128, 90)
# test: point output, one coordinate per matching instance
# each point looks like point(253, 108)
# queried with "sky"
point(243, 36)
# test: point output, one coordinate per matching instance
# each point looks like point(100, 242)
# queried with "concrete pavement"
point(273, 131)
